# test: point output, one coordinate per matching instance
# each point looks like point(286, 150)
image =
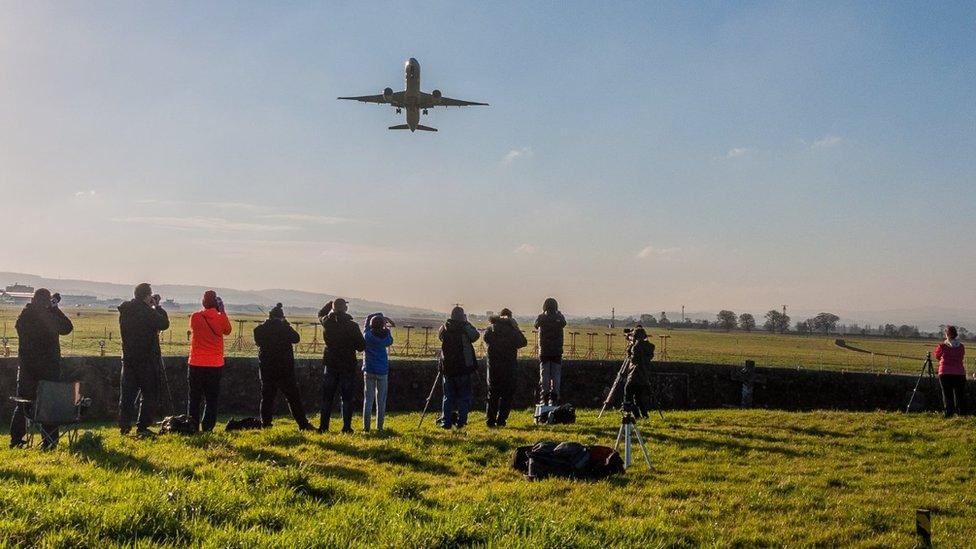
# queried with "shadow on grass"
point(93, 449)
point(726, 445)
point(385, 454)
point(16, 476)
point(266, 455)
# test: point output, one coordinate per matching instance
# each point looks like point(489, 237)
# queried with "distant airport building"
point(16, 294)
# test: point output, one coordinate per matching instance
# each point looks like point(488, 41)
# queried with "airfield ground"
point(721, 478)
point(808, 351)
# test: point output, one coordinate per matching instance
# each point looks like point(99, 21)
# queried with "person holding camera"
point(39, 326)
point(503, 338)
point(140, 321)
point(376, 367)
point(275, 339)
point(550, 325)
point(637, 390)
point(952, 373)
point(458, 365)
point(342, 341)
point(208, 328)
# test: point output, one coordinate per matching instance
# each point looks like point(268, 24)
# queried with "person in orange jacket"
point(208, 327)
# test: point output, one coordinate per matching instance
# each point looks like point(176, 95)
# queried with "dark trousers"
point(954, 393)
point(204, 384)
point(640, 395)
point(344, 382)
point(457, 401)
point(273, 381)
point(140, 385)
point(501, 385)
point(27, 389)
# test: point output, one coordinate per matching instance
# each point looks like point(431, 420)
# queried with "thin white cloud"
point(517, 154)
point(81, 194)
point(205, 224)
point(826, 142)
point(737, 152)
point(307, 218)
point(526, 249)
point(304, 251)
point(651, 251)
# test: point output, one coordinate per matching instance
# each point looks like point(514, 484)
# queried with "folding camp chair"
point(59, 404)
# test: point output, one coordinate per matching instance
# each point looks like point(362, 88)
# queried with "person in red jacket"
point(952, 373)
point(208, 327)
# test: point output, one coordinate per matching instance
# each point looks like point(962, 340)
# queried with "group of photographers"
point(141, 320)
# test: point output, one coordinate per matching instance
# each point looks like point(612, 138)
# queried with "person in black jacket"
point(503, 338)
point(637, 390)
point(342, 341)
point(550, 325)
point(39, 326)
point(458, 365)
point(274, 339)
point(140, 321)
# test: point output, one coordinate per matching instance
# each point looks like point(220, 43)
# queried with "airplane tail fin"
point(426, 128)
point(400, 127)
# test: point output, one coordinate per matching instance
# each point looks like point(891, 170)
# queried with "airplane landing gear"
point(425, 111)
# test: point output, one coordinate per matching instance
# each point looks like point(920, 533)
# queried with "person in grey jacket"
point(458, 366)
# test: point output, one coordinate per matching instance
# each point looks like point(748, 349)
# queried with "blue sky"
point(640, 156)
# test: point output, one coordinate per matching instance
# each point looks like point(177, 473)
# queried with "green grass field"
point(724, 478)
point(810, 351)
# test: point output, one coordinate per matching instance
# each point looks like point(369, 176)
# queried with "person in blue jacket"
point(376, 367)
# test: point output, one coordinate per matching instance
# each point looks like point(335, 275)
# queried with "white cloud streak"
point(526, 249)
point(648, 252)
point(307, 218)
point(737, 152)
point(204, 224)
point(517, 154)
point(826, 142)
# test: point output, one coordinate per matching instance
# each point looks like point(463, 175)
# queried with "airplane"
point(412, 99)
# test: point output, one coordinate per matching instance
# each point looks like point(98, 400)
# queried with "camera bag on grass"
point(566, 460)
point(245, 424)
point(181, 424)
point(560, 415)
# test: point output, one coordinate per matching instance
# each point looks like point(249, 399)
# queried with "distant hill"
point(189, 295)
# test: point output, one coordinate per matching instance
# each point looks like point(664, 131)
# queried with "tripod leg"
point(429, 398)
point(620, 435)
point(627, 449)
point(643, 446)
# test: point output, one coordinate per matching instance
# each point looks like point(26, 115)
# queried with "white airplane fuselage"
point(411, 72)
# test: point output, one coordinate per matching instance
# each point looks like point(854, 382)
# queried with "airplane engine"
point(388, 94)
point(436, 94)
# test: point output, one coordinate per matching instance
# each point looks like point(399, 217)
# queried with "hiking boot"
point(124, 430)
point(18, 443)
point(347, 430)
point(306, 427)
point(145, 432)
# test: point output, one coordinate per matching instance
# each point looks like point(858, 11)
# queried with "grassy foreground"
point(721, 478)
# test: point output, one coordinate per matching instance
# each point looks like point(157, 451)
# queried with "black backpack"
point(563, 414)
point(568, 460)
point(246, 424)
point(181, 424)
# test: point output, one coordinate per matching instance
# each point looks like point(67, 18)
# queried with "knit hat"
point(277, 312)
point(550, 305)
point(210, 299)
point(505, 312)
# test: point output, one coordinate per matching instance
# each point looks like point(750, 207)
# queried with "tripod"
point(928, 370)
point(613, 390)
point(628, 429)
point(433, 388)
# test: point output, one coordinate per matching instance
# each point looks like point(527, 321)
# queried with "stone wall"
point(585, 384)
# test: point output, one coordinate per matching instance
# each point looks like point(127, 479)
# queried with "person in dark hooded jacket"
point(140, 321)
point(39, 326)
point(276, 356)
point(458, 365)
point(637, 390)
point(342, 341)
point(503, 338)
point(550, 325)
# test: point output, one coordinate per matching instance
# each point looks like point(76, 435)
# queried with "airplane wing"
point(396, 99)
point(427, 101)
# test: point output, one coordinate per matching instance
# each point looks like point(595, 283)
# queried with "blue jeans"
point(375, 392)
point(457, 400)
